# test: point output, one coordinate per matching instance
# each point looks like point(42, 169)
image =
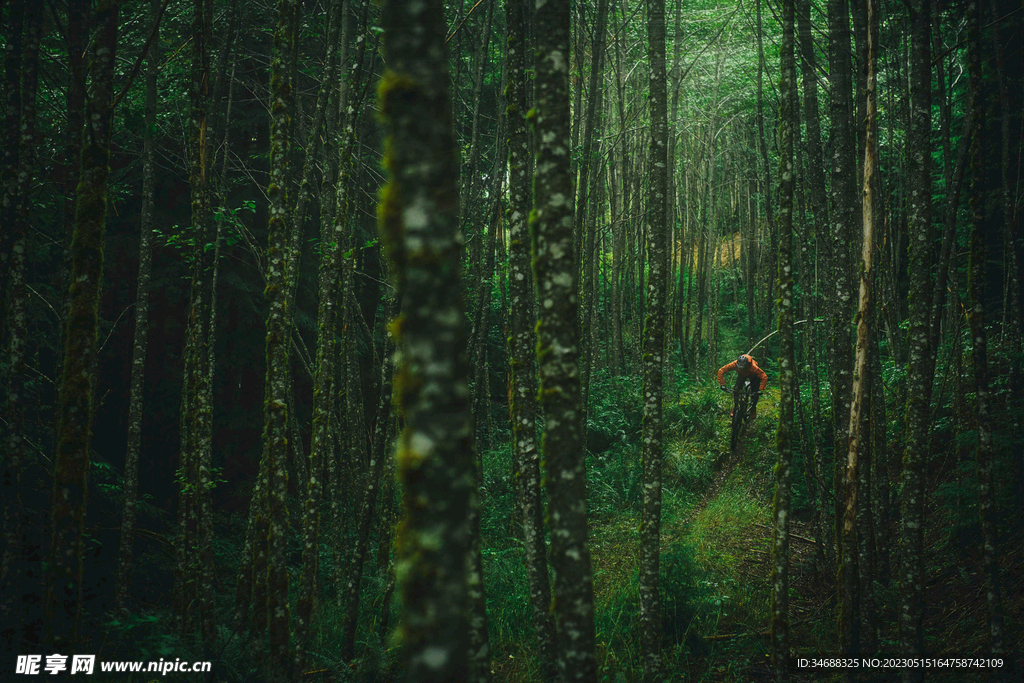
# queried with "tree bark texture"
point(849, 584)
point(278, 341)
point(979, 354)
point(332, 236)
point(419, 222)
point(554, 270)
point(135, 401)
point(842, 210)
point(75, 405)
point(652, 448)
point(921, 357)
point(787, 430)
point(522, 347)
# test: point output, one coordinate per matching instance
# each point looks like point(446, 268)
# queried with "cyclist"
point(746, 371)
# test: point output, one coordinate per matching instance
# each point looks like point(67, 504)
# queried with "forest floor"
point(716, 545)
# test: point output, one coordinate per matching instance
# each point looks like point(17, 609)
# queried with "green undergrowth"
point(715, 547)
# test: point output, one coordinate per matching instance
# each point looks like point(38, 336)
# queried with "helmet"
point(743, 361)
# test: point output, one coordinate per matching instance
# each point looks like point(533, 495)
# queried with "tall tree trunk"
point(842, 208)
point(558, 348)
point(420, 227)
point(654, 348)
point(332, 236)
point(522, 347)
point(190, 589)
point(849, 585)
point(75, 405)
point(784, 435)
point(278, 343)
point(976, 318)
point(921, 357)
point(766, 183)
point(135, 399)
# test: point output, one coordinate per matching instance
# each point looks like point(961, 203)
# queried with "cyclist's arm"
point(763, 377)
point(724, 369)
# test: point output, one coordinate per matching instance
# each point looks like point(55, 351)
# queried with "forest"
point(352, 341)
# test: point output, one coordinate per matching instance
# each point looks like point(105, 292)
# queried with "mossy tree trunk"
point(331, 236)
point(979, 354)
point(278, 344)
point(789, 390)
point(587, 208)
point(135, 400)
point(654, 347)
point(193, 587)
point(921, 356)
point(558, 347)
point(419, 222)
point(522, 343)
point(842, 214)
point(75, 405)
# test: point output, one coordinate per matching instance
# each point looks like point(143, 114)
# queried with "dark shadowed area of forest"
point(479, 341)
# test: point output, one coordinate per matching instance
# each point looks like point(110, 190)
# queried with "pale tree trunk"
point(419, 223)
point(976, 318)
point(921, 356)
point(654, 348)
point(522, 347)
point(558, 348)
point(75, 404)
point(789, 390)
point(849, 585)
point(135, 400)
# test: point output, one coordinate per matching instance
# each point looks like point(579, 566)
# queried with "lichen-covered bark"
point(419, 223)
point(979, 354)
point(849, 580)
point(842, 214)
point(192, 589)
point(921, 357)
point(522, 344)
point(332, 235)
point(275, 406)
point(551, 224)
point(789, 391)
point(652, 448)
point(135, 398)
point(75, 406)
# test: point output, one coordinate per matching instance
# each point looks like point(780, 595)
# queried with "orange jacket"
point(752, 370)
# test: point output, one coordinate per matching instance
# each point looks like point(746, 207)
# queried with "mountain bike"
point(742, 407)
